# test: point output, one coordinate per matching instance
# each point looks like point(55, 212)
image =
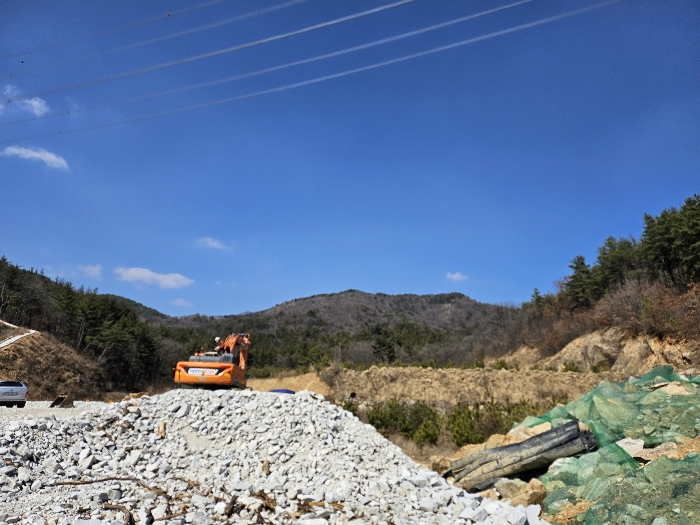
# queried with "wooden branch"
point(128, 518)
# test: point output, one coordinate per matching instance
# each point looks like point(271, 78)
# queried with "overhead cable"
point(317, 80)
point(280, 67)
point(114, 30)
point(170, 36)
point(211, 53)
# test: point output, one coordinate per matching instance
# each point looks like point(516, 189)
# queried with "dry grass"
point(445, 388)
point(49, 368)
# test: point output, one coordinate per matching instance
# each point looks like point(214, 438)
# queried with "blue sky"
point(482, 169)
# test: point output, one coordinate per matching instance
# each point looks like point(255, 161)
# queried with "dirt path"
point(310, 382)
point(15, 338)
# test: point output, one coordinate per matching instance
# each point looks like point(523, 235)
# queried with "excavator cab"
point(223, 368)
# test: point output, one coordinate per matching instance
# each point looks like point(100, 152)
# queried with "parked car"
point(13, 394)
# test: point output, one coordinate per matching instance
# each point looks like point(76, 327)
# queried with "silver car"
point(13, 394)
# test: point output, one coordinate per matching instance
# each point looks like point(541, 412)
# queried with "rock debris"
point(207, 457)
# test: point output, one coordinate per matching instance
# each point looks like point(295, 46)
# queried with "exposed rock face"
point(200, 457)
point(612, 350)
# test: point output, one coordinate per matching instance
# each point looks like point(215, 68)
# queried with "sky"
point(481, 168)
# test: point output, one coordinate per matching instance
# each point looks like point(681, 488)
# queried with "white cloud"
point(50, 159)
point(456, 276)
point(93, 271)
point(36, 106)
point(210, 242)
point(144, 275)
point(180, 302)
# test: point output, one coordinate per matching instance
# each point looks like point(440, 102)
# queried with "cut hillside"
point(49, 368)
point(615, 351)
point(449, 386)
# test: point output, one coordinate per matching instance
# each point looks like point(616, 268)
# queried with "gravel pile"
point(205, 457)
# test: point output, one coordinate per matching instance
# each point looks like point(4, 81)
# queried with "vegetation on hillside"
point(101, 327)
point(648, 286)
point(466, 424)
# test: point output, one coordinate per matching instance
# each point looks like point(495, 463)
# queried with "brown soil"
point(49, 368)
point(310, 381)
point(569, 512)
point(452, 386)
point(688, 446)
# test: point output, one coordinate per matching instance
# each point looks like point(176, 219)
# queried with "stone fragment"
point(668, 450)
point(23, 474)
point(183, 411)
point(517, 516)
point(159, 511)
point(507, 488)
point(428, 504)
point(632, 446)
point(133, 457)
point(533, 494)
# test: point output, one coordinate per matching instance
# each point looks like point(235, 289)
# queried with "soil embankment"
point(310, 381)
point(453, 386)
point(49, 368)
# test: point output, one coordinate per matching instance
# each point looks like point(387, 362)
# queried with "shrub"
point(420, 422)
point(570, 366)
point(500, 365)
point(350, 406)
point(471, 424)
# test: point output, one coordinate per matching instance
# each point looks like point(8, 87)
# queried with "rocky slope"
point(613, 350)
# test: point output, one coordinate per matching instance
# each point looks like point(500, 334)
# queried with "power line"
point(348, 72)
point(281, 67)
point(210, 54)
point(114, 30)
point(170, 36)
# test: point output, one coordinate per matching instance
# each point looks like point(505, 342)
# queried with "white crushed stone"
point(325, 466)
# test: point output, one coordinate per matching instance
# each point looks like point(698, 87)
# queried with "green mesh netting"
point(665, 491)
point(635, 409)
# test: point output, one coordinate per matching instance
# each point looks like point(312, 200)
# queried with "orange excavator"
point(224, 367)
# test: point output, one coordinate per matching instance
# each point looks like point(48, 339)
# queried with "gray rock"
point(133, 457)
point(23, 474)
point(183, 411)
point(517, 516)
point(8, 470)
point(428, 504)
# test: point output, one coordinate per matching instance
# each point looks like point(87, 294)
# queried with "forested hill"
point(352, 326)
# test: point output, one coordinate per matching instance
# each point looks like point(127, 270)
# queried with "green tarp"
point(665, 491)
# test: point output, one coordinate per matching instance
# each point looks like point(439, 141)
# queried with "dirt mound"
point(613, 350)
point(452, 386)
point(49, 368)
